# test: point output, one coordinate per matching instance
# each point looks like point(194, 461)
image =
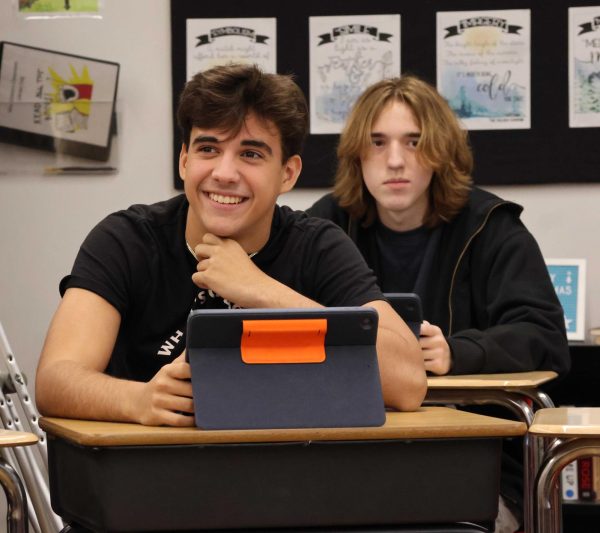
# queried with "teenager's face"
point(232, 182)
point(393, 174)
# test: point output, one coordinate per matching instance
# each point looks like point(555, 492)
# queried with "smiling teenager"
point(115, 347)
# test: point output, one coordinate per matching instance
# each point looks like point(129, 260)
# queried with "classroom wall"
point(44, 219)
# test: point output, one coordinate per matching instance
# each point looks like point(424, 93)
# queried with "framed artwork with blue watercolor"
point(568, 279)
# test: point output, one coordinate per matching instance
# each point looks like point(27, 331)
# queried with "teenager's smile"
point(225, 199)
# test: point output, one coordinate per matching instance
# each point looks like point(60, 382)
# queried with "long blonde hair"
point(442, 145)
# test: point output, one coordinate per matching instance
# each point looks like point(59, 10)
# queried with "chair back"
point(30, 461)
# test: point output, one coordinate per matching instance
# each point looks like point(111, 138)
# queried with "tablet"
point(408, 306)
point(285, 368)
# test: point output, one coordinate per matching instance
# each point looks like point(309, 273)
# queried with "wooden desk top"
point(517, 380)
point(426, 423)
point(10, 438)
point(567, 422)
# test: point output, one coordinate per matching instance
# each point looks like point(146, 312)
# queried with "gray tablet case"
point(247, 374)
point(408, 306)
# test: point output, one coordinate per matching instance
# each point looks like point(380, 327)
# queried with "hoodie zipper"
point(460, 257)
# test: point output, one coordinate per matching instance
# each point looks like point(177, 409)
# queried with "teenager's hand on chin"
point(166, 400)
point(436, 352)
point(225, 268)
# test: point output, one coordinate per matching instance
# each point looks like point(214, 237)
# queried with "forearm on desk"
point(274, 294)
point(403, 378)
point(67, 389)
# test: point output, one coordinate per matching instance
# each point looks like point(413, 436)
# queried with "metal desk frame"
point(497, 389)
point(551, 451)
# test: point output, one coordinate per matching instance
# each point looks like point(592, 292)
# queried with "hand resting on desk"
point(167, 397)
point(71, 382)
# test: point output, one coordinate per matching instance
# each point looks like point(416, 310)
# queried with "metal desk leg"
point(540, 399)
point(534, 448)
point(546, 501)
point(15, 499)
point(516, 402)
point(513, 401)
point(530, 462)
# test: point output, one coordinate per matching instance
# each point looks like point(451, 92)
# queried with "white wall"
point(44, 219)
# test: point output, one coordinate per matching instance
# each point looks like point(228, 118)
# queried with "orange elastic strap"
point(284, 341)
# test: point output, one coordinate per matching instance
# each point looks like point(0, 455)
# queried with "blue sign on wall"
point(568, 278)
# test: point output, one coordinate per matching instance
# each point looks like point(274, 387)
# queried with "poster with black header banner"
point(56, 101)
point(212, 42)
point(347, 55)
point(483, 67)
point(584, 67)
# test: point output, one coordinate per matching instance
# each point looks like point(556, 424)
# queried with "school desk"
point(515, 391)
point(435, 465)
point(16, 502)
point(559, 435)
point(518, 392)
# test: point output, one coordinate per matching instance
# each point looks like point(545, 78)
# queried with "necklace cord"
point(191, 250)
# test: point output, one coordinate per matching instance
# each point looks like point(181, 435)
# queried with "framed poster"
point(347, 54)
point(568, 278)
point(584, 67)
point(212, 42)
point(483, 67)
point(53, 9)
point(56, 101)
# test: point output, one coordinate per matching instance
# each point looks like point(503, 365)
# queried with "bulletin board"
point(548, 152)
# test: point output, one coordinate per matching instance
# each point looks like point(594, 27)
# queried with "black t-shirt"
point(138, 261)
point(400, 256)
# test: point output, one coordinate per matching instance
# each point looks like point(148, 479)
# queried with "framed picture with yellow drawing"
point(57, 101)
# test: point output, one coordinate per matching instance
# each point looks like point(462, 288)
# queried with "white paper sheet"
point(212, 42)
point(347, 54)
point(584, 67)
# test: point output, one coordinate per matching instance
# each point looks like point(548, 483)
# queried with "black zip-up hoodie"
point(484, 282)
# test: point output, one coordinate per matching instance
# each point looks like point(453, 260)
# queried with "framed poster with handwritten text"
point(483, 60)
point(212, 42)
point(347, 54)
point(584, 67)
